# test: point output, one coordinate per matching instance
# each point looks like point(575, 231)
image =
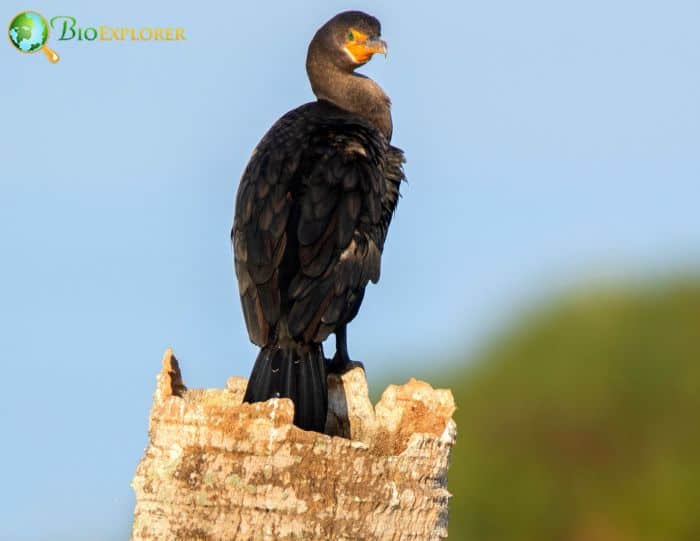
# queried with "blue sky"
point(548, 143)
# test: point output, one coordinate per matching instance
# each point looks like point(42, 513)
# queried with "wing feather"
point(312, 211)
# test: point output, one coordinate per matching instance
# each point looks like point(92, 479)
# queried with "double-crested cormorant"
point(312, 212)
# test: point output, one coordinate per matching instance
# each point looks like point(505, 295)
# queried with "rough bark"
point(216, 469)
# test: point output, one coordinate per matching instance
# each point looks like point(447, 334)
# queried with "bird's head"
point(348, 40)
point(340, 46)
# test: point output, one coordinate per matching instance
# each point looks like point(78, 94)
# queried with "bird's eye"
point(351, 36)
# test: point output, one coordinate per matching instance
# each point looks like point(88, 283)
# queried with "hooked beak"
point(377, 46)
point(362, 49)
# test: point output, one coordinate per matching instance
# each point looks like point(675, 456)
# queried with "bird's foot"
point(341, 364)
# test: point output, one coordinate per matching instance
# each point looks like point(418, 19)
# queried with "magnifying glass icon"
point(29, 32)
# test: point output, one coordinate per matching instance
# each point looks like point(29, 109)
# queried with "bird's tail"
point(297, 371)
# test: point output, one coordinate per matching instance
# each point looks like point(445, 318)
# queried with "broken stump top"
point(216, 468)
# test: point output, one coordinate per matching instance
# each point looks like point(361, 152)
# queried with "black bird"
point(312, 212)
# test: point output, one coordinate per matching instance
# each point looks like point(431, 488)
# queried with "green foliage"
point(584, 423)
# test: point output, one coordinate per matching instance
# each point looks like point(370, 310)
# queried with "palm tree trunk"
point(216, 469)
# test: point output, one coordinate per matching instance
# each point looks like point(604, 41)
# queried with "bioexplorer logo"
point(29, 31)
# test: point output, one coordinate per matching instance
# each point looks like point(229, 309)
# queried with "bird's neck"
point(352, 92)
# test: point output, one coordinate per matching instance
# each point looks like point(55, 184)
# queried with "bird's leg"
point(341, 362)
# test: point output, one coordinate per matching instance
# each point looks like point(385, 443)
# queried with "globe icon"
point(29, 33)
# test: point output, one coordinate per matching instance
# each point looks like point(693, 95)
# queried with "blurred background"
point(543, 262)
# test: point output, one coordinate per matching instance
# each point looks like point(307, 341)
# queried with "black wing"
point(312, 212)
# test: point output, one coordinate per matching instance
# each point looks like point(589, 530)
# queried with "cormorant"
point(312, 212)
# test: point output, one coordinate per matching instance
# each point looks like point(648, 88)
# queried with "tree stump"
point(217, 469)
